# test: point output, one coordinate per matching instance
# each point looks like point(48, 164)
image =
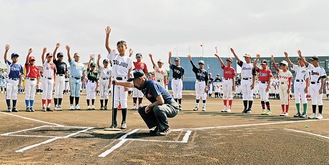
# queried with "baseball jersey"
point(141, 66)
point(152, 89)
point(284, 77)
point(210, 80)
point(32, 71)
point(217, 81)
point(301, 72)
point(76, 68)
point(105, 72)
point(120, 64)
point(229, 72)
point(316, 73)
point(200, 74)
point(178, 71)
point(61, 67)
point(159, 73)
point(92, 75)
point(14, 69)
point(264, 74)
point(246, 69)
point(49, 69)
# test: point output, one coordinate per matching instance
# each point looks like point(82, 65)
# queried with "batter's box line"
point(124, 139)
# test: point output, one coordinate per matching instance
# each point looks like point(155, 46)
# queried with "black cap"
point(105, 61)
point(139, 55)
point(264, 61)
point(136, 74)
point(60, 54)
point(14, 55)
point(92, 64)
point(314, 58)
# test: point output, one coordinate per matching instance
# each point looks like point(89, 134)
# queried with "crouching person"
point(162, 106)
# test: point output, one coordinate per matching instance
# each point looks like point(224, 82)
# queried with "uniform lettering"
point(123, 64)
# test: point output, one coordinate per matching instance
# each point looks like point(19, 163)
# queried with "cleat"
point(203, 109)
point(264, 112)
point(113, 125)
point(9, 109)
point(319, 116)
point(71, 107)
point(59, 108)
point(195, 109)
point(224, 110)
point(93, 107)
point(286, 114)
point(282, 114)
point(56, 108)
point(44, 109)
point(304, 115)
point(77, 107)
point(123, 125)
point(49, 110)
point(313, 116)
point(102, 108)
point(105, 107)
point(228, 109)
point(297, 115)
point(268, 112)
point(14, 109)
point(163, 133)
point(134, 107)
point(249, 111)
point(88, 108)
point(28, 109)
point(244, 111)
point(31, 109)
point(154, 132)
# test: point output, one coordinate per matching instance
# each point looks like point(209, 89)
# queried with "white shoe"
point(140, 105)
point(59, 108)
point(282, 114)
point(71, 107)
point(77, 107)
point(285, 114)
point(195, 109)
point(93, 107)
point(228, 109)
point(134, 107)
point(88, 108)
point(44, 109)
point(313, 116)
point(56, 108)
point(319, 116)
point(203, 108)
point(224, 110)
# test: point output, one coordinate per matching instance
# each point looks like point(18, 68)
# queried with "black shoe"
point(164, 133)
point(14, 109)
point(244, 111)
point(249, 111)
point(31, 109)
point(28, 109)
point(154, 132)
point(297, 115)
point(48, 109)
point(114, 125)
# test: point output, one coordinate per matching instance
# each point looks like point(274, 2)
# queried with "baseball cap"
point(177, 59)
point(105, 61)
point(139, 55)
point(264, 61)
point(92, 64)
point(284, 62)
point(160, 61)
point(229, 59)
point(49, 55)
point(136, 74)
point(31, 58)
point(314, 58)
point(60, 54)
point(201, 62)
point(14, 55)
point(247, 55)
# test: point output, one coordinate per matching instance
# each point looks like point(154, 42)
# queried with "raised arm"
point(6, 52)
point(107, 40)
point(232, 50)
point(288, 59)
point(131, 52)
point(256, 61)
point(98, 59)
point(27, 57)
point(90, 59)
point(43, 55)
point(68, 53)
point(220, 60)
point(55, 51)
point(151, 57)
point(274, 64)
point(300, 55)
point(169, 62)
point(190, 58)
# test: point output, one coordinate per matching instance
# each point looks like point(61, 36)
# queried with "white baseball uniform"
point(160, 74)
point(48, 80)
point(246, 80)
point(327, 87)
point(105, 75)
point(315, 74)
point(300, 83)
point(284, 78)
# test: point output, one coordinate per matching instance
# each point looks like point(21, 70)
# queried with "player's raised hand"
point(216, 55)
point(299, 53)
point(57, 45)
point(286, 54)
point(131, 51)
point(7, 47)
point(257, 56)
point(150, 55)
point(170, 54)
point(67, 47)
point(99, 56)
point(189, 57)
point(30, 51)
point(44, 50)
point(272, 57)
point(108, 29)
point(91, 56)
point(232, 50)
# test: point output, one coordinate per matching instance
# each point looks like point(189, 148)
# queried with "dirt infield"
point(211, 137)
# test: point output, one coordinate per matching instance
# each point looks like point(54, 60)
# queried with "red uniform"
point(229, 72)
point(264, 74)
point(141, 66)
point(32, 71)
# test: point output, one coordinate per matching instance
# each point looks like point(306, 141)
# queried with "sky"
point(159, 26)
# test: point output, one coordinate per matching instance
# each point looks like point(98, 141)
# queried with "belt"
point(313, 82)
point(120, 78)
point(200, 80)
point(228, 78)
point(15, 79)
point(264, 82)
point(159, 80)
point(49, 78)
point(282, 83)
point(246, 78)
point(176, 78)
point(31, 79)
point(77, 78)
point(105, 78)
point(92, 81)
point(60, 74)
point(297, 80)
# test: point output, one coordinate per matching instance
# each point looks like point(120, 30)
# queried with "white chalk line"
point(121, 142)
point(31, 136)
point(51, 140)
point(24, 130)
point(186, 136)
point(308, 133)
point(27, 118)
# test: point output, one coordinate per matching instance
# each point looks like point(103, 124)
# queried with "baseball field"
point(211, 137)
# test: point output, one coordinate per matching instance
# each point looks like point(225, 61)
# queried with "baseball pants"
point(177, 87)
point(161, 82)
point(199, 90)
point(59, 87)
point(247, 93)
point(120, 95)
point(137, 93)
point(227, 89)
point(104, 88)
point(284, 95)
point(47, 86)
point(75, 85)
point(299, 92)
point(12, 89)
point(262, 92)
point(210, 89)
point(314, 91)
point(158, 116)
point(91, 90)
point(30, 89)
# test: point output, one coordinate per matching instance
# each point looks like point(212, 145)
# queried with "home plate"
point(107, 131)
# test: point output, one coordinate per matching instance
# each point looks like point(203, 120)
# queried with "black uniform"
point(200, 74)
point(217, 80)
point(61, 67)
point(92, 76)
point(61, 70)
point(178, 72)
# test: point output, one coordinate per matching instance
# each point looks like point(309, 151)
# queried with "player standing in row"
point(32, 81)
point(61, 70)
point(105, 74)
point(137, 94)
point(15, 73)
point(327, 87)
point(48, 79)
point(285, 78)
point(121, 68)
point(210, 84)
point(247, 81)
point(301, 85)
point(228, 83)
point(317, 76)
point(159, 72)
point(264, 78)
point(201, 86)
point(217, 86)
point(177, 80)
point(92, 84)
point(76, 70)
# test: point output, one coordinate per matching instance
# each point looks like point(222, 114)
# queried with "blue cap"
point(136, 74)
point(14, 55)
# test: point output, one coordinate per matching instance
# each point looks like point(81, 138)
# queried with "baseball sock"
point(60, 101)
point(14, 103)
point(92, 101)
point(114, 116)
point(287, 108)
point(320, 109)
point(250, 104)
point(49, 102)
point(124, 115)
point(88, 102)
point(282, 107)
point(268, 105)
point(245, 102)
point(8, 102)
point(55, 101)
point(225, 102)
point(31, 103)
point(314, 108)
point(263, 104)
point(298, 107)
point(27, 102)
point(140, 100)
point(102, 101)
point(106, 101)
point(176, 100)
point(71, 100)
point(197, 102)
point(230, 103)
point(76, 100)
point(135, 100)
point(305, 108)
point(43, 102)
point(204, 103)
point(179, 101)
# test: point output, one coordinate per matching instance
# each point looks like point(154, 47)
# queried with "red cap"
point(31, 58)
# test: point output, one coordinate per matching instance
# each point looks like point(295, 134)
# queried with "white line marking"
point(24, 130)
point(186, 136)
point(34, 136)
point(121, 142)
point(152, 140)
point(308, 133)
point(73, 134)
point(27, 118)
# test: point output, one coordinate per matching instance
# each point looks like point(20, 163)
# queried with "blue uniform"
point(15, 71)
point(152, 89)
point(76, 70)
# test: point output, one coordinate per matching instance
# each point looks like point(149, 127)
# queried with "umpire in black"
point(162, 106)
